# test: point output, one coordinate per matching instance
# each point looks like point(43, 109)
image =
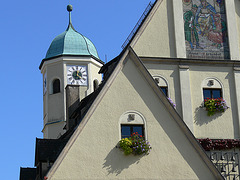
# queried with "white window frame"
point(139, 119)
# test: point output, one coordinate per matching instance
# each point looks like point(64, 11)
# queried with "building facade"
point(176, 82)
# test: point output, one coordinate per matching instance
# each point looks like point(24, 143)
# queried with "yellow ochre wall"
point(157, 38)
point(221, 125)
point(93, 154)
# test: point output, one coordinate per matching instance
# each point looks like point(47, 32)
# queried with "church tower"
point(71, 60)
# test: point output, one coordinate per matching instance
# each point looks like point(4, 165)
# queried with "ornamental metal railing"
point(227, 163)
point(139, 23)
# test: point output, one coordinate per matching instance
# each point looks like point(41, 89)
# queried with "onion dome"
point(71, 42)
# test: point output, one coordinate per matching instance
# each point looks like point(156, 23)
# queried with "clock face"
point(77, 75)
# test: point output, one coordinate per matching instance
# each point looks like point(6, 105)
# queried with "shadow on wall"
point(233, 102)
point(175, 76)
point(237, 3)
point(201, 117)
point(116, 161)
point(171, 29)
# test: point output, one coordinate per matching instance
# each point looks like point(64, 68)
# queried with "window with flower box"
point(131, 122)
point(133, 134)
point(213, 101)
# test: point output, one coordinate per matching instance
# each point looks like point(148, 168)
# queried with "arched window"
point(95, 84)
point(212, 88)
point(162, 83)
point(131, 122)
point(56, 86)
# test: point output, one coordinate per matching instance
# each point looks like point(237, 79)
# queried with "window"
point(56, 86)
point(162, 83)
point(130, 122)
point(95, 84)
point(212, 93)
point(127, 130)
point(212, 88)
point(165, 90)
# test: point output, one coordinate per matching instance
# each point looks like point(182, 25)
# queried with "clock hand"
point(78, 75)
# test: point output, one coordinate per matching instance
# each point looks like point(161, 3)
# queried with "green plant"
point(125, 144)
point(215, 105)
point(135, 145)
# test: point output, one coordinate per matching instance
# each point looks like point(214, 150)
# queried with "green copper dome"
point(71, 42)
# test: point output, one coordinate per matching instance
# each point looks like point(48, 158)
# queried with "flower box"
point(214, 105)
point(134, 145)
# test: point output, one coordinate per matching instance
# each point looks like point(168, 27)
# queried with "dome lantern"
point(71, 42)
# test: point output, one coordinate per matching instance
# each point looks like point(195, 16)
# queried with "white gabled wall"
point(92, 153)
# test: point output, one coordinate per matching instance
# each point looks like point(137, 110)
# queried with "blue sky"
point(27, 30)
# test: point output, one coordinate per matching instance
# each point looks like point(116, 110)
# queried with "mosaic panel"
point(205, 29)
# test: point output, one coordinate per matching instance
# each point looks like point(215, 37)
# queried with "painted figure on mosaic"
point(205, 29)
point(205, 17)
point(191, 34)
point(220, 4)
point(217, 35)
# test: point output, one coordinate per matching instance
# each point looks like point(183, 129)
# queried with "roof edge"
point(139, 24)
point(145, 21)
point(71, 55)
point(189, 60)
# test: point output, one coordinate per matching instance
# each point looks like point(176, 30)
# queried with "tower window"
point(95, 84)
point(56, 86)
point(212, 93)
